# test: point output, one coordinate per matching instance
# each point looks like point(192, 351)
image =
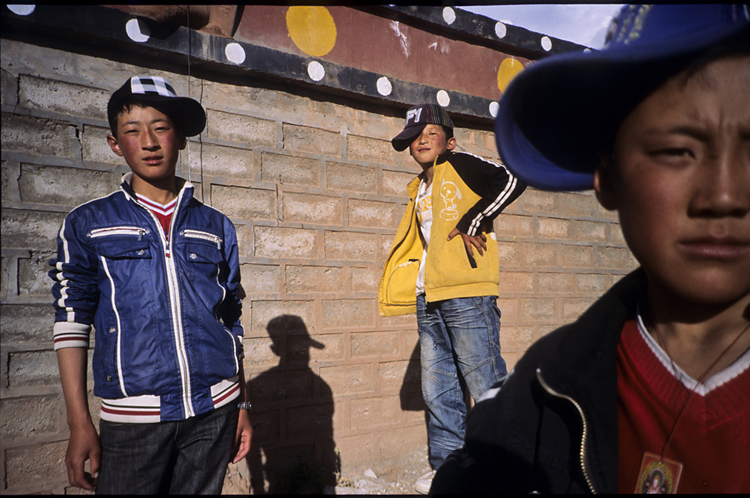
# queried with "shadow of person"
point(293, 450)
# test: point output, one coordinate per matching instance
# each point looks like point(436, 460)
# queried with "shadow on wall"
point(411, 390)
point(293, 450)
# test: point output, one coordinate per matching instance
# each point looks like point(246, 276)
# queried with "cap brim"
point(557, 114)
point(187, 113)
point(402, 141)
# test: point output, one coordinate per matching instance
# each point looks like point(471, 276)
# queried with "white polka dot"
point(235, 53)
point(501, 30)
point(137, 31)
point(443, 98)
point(546, 43)
point(384, 86)
point(316, 71)
point(449, 15)
point(21, 10)
point(494, 107)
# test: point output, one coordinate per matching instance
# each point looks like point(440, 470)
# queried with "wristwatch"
point(244, 405)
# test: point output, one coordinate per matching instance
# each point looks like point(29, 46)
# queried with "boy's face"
point(680, 178)
point(430, 144)
point(149, 142)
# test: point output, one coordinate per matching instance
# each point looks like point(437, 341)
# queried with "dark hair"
point(128, 103)
point(448, 132)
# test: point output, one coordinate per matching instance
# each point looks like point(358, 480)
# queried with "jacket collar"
point(413, 185)
point(596, 333)
point(445, 156)
point(584, 368)
point(182, 185)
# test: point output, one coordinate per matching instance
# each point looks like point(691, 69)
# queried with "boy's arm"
point(232, 311)
point(76, 294)
point(494, 183)
point(244, 434)
point(75, 289)
point(498, 188)
point(84, 441)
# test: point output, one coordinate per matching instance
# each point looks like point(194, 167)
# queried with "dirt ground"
point(394, 478)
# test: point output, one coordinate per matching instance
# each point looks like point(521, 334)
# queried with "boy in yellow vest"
point(444, 266)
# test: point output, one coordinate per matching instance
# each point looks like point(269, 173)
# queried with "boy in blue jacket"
point(649, 390)
point(156, 273)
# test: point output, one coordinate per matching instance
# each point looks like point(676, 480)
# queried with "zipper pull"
point(141, 231)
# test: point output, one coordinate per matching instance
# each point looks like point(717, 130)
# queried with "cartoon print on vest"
point(449, 192)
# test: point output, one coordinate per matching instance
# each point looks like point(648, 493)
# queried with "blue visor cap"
point(558, 114)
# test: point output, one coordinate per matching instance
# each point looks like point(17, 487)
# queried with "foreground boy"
point(650, 389)
point(444, 265)
point(156, 273)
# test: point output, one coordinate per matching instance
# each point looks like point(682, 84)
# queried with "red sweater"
point(162, 212)
point(712, 437)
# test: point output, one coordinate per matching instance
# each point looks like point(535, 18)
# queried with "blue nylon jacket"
point(166, 312)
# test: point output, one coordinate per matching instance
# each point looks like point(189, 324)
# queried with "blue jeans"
point(458, 338)
point(186, 457)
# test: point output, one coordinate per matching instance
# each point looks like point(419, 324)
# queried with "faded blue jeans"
point(187, 457)
point(458, 337)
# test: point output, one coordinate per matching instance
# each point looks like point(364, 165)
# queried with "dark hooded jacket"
point(551, 425)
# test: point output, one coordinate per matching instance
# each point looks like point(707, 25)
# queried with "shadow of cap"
point(291, 325)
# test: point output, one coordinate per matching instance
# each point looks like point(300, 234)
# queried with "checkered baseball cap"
point(417, 118)
point(155, 91)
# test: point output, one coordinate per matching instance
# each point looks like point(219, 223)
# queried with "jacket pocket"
point(198, 246)
point(203, 253)
point(206, 271)
point(121, 242)
point(402, 283)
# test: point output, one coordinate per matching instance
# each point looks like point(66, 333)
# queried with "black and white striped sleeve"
point(493, 182)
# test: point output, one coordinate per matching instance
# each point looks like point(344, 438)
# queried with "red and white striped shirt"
point(163, 212)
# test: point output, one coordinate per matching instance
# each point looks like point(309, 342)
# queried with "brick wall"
point(315, 191)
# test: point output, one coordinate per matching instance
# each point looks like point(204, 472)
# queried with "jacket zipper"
point(104, 232)
point(174, 303)
point(197, 234)
point(584, 436)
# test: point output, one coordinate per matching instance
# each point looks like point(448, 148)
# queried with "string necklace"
point(657, 471)
point(698, 382)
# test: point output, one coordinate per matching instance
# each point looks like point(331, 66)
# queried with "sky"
point(585, 24)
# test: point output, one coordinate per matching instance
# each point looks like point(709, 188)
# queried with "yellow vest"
point(449, 272)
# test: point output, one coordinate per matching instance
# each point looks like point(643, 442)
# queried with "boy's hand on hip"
point(83, 445)
point(471, 241)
